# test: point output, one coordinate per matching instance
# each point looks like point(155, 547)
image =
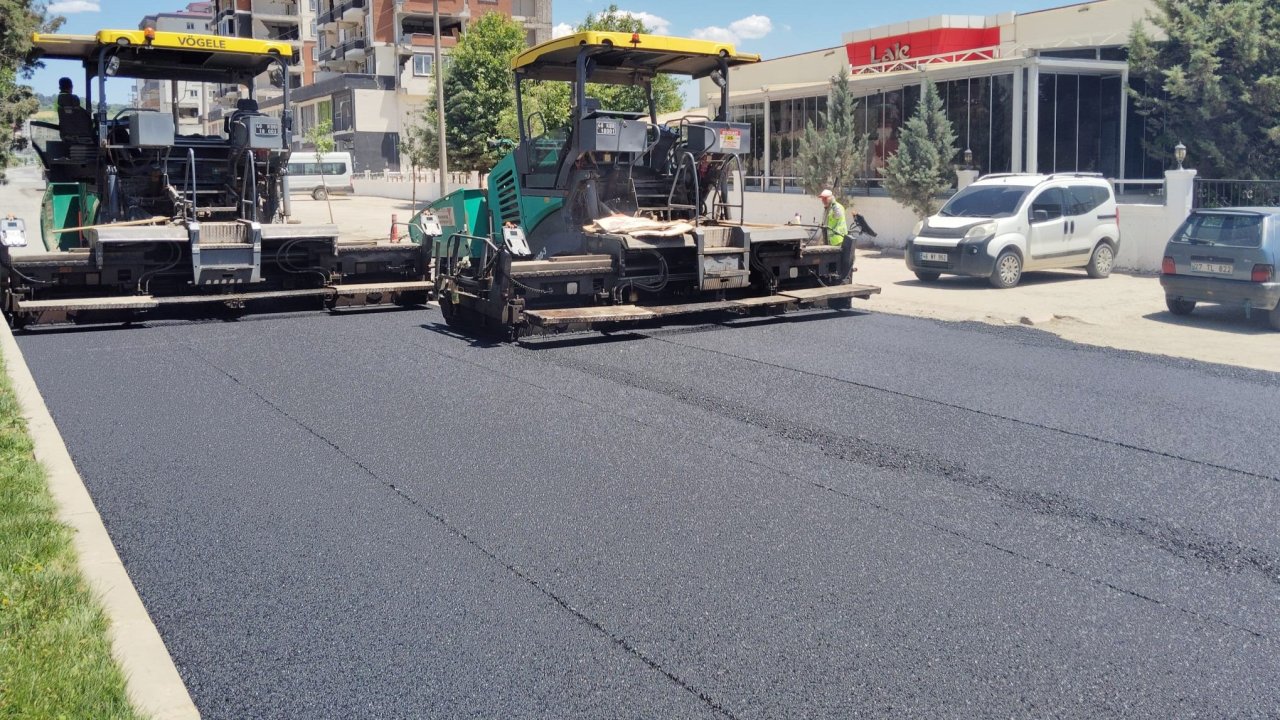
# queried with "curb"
point(152, 681)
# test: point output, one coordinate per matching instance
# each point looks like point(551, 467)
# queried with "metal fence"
point(1236, 193)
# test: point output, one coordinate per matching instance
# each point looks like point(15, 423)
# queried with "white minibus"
point(305, 174)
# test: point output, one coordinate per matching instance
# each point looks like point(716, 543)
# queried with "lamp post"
point(439, 72)
point(1180, 154)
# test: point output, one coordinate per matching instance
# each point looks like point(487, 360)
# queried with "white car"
point(1002, 225)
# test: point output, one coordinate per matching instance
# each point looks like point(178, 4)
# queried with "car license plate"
point(933, 257)
point(1216, 268)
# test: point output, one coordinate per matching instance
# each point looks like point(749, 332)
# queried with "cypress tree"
point(921, 168)
point(831, 157)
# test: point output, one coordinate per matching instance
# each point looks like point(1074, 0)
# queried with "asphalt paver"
point(829, 515)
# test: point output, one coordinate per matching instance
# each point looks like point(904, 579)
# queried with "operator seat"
point(244, 106)
point(75, 125)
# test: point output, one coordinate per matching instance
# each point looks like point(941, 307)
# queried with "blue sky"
point(771, 29)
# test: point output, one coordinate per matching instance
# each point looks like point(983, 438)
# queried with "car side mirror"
point(1039, 216)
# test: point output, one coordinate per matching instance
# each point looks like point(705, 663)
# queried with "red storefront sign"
point(939, 41)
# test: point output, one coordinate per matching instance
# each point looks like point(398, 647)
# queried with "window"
point(1086, 198)
point(191, 26)
point(1050, 201)
point(1079, 127)
point(422, 63)
point(313, 168)
point(193, 93)
point(985, 201)
point(1221, 229)
point(306, 117)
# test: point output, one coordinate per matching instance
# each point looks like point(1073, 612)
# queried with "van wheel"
point(1104, 257)
point(1275, 317)
point(1008, 270)
point(926, 276)
point(1178, 306)
point(319, 194)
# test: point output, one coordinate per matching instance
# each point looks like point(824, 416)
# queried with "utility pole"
point(439, 73)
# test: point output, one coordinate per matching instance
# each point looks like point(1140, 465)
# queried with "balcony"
point(351, 51)
point(350, 12)
point(448, 8)
point(276, 11)
point(419, 42)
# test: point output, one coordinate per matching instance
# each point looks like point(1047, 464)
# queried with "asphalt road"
point(830, 516)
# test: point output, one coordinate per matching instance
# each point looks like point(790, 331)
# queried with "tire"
point(319, 194)
point(457, 318)
point(840, 304)
point(1274, 317)
point(1178, 306)
point(1102, 260)
point(927, 275)
point(1007, 271)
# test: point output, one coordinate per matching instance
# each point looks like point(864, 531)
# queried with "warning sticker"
point(730, 139)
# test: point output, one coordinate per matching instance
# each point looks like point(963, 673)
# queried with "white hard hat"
point(825, 194)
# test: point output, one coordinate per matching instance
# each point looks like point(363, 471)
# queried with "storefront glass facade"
point(1065, 116)
point(1079, 123)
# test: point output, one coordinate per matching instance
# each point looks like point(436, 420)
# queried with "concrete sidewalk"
point(1122, 311)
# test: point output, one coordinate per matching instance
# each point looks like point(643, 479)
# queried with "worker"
point(65, 98)
point(834, 220)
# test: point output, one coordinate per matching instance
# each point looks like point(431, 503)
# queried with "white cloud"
point(657, 25)
point(752, 27)
point(561, 30)
point(715, 33)
point(71, 7)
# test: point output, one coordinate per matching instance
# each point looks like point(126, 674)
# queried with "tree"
point(320, 136)
point(666, 88)
point(1213, 84)
point(921, 168)
point(414, 145)
point(831, 157)
point(18, 20)
point(478, 93)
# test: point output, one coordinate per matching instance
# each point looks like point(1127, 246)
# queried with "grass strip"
point(55, 658)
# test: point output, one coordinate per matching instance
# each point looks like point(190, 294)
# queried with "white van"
point(1002, 225)
point(305, 174)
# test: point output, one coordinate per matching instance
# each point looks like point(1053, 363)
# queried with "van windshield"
point(986, 201)
point(1221, 229)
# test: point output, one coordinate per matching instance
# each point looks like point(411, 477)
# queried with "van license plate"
point(1216, 268)
point(933, 257)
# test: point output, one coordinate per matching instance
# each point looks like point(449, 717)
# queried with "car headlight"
point(981, 231)
point(919, 226)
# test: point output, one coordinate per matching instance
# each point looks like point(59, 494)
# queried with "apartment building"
point(192, 99)
point(375, 63)
point(292, 21)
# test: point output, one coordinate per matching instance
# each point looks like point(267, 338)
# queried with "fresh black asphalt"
point(833, 515)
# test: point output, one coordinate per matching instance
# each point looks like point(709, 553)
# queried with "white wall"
point(402, 189)
point(891, 221)
point(1144, 229)
point(376, 110)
